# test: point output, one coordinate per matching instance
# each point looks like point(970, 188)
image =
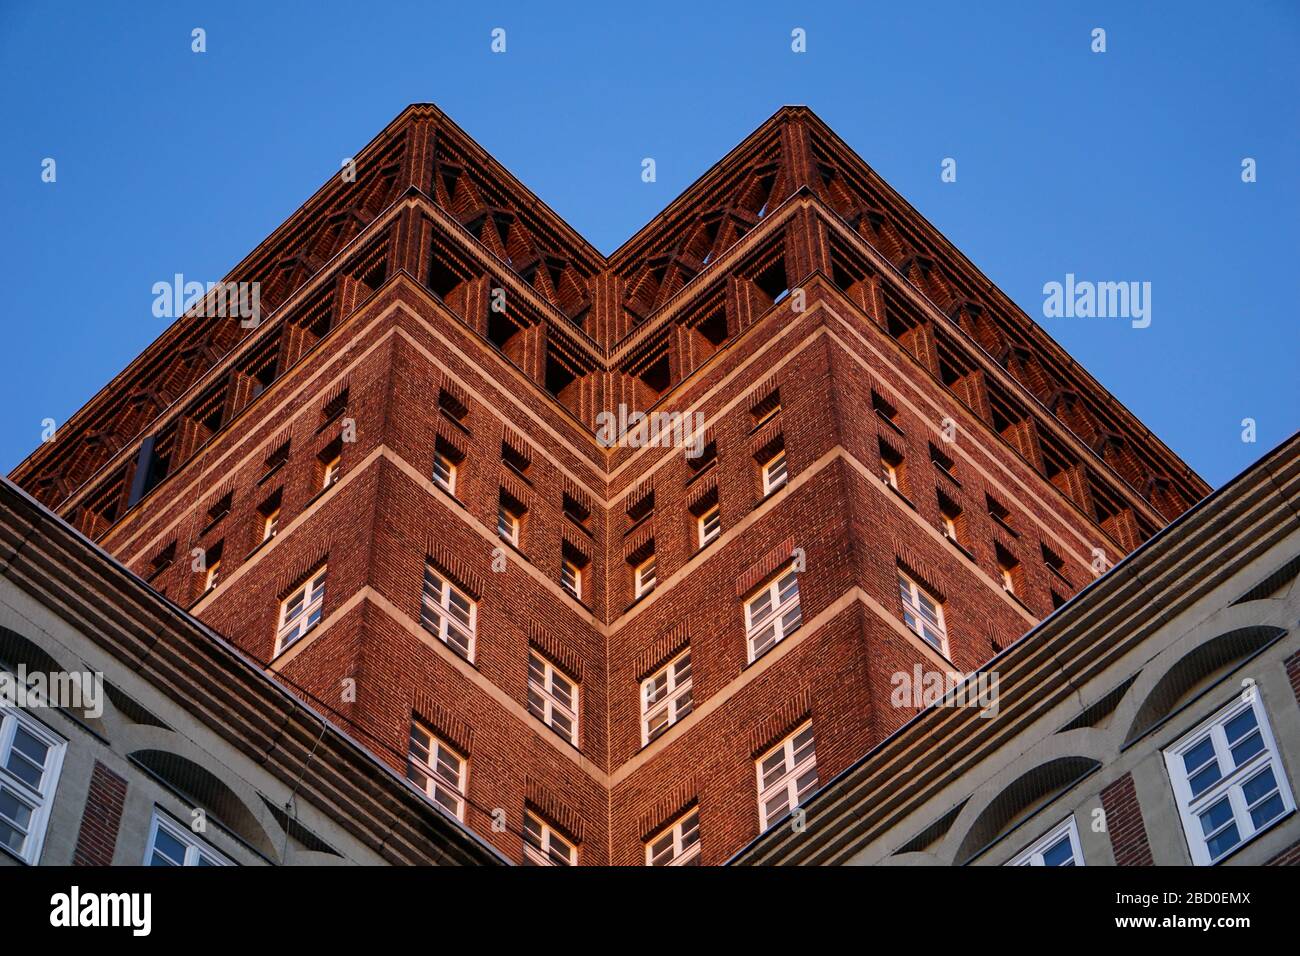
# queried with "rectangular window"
point(775, 472)
point(545, 847)
point(330, 468)
point(171, 844)
point(923, 614)
point(999, 513)
point(643, 576)
point(708, 525)
point(448, 614)
point(1060, 847)
point(1008, 569)
point(571, 578)
point(552, 697)
point(30, 759)
point(300, 612)
point(212, 561)
point(269, 513)
point(950, 519)
point(444, 472)
point(767, 409)
point(1228, 780)
point(786, 775)
point(508, 523)
point(666, 697)
point(891, 467)
point(942, 462)
point(772, 614)
point(438, 770)
point(678, 845)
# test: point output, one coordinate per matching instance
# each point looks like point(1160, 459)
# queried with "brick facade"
point(97, 837)
point(1128, 834)
point(791, 276)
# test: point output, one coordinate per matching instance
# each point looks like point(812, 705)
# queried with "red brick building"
point(392, 493)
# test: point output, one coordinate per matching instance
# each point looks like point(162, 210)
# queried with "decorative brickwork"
point(436, 308)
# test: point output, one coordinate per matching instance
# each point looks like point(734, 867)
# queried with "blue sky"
point(1120, 166)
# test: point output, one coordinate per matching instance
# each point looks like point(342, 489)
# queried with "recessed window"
point(787, 774)
point(171, 844)
point(1008, 569)
point(576, 511)
point(277, 457)
point(514, 458)
point(571, 577)
point(942, 462)
point(510, 517)
point(1060, 847)
point(950, 519)
point(269, 517)
point(330, 467)
point(448, 613)
point(212, 561)
point(643, 577)
point(31, 756)
point(437, 769)
point(543, 846)
point(552, 697)
point(666, 697)
point(1055, 563)
point(767, 409)
point(641, 509)
point(335, 407)
point(775, 472)
point(444, 471)
point(220, 509)
point(884, 410)
point(1228, 780)
point(923, 613)
point(999, 513)
point(678, 845)
point(891, 467)
point(708, 525)
point(300, 611)
point(772, 614)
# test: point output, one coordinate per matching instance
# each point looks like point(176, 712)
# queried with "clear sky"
point(1115, 166)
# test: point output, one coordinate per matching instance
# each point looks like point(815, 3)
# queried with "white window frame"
point(644, 580)
point(292, 630)
point(676, 701)
point(1230, 784)
point(548, 701)
point(213, 576)
point(438, 597)
point(777, 611)
point(270, 523)
point(785, 776)
point(708, 526)
point(1033, 854)
point(39, 800)
point(447, 481)
point(776, 472)
point(196, 848)
point(889, 473)
point(508, 524)
point(548, 842)
point(681, 840)
point(333, 468)
point(949, 527)
point(1008, 578)
point(915, 610)
point(439, 787)
point(571, 575)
